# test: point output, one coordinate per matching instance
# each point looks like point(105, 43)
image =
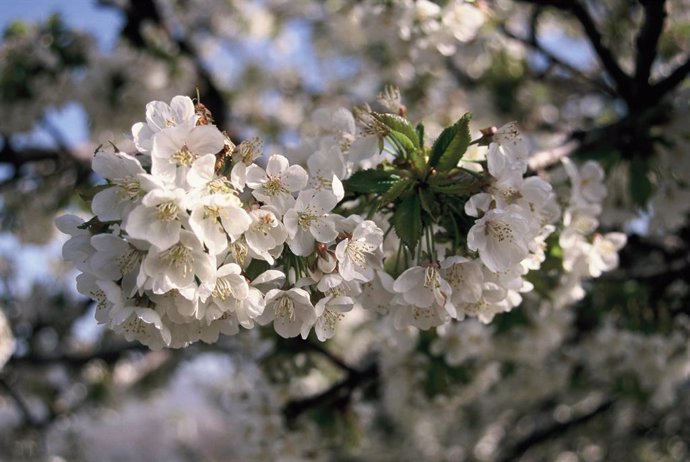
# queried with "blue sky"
point(84, 15)
point(103, 23)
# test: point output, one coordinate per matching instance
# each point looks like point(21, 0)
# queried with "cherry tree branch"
point(606, 57)
point(137, 13)
point(533, 42)
point(648, 39)
point(21, 404)
point(666, 85)
point(554, 430)
point(337, 395)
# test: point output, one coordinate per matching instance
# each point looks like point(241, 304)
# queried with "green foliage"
point(407, 221)
point(451, 145)
point(403, 185)
point(640, 186)
point(399, 125)
point(371, 181)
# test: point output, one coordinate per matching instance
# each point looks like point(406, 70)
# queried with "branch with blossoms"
point(191, 238)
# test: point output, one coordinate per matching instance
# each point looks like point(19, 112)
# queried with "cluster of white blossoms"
point(512, 218)
point(167, 254)
point(586, 253)
point(192, 238)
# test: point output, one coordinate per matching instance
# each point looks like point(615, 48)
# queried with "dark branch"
point(553, 431)
point(608, 60)
point(661, 88)
point(336, 395)
point(77, 360)
point(534, 43)
point(137, 14)
point(647, 40)
point(29, 419)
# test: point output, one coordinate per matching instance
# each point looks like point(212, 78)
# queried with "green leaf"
point(400, 139)
point(407, 221)
point(461, 184)
point(640, 186)
point(396, 190)
point(451, 144)
point(370, 181)
point(420, 134)
point(400, 125)
point(426, 199)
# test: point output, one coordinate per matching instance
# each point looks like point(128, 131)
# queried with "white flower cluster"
point(512, 220)
point(586, 253)
point(166, 256)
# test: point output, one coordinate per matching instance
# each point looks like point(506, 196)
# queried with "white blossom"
point(275, 185)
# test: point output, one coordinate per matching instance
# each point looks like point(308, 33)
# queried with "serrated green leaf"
point(371, 181)
point(640, 186)
point(400, 125)
point(396, 190)
point(451, 144)
point(407, 221)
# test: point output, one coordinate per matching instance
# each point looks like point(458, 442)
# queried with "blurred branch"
point(76, 360)
point(533, 42)
point(647, 40)
point(544, 159)
point(23, 407)
point(137, 13)
point(661, 88)
point(554, 430)
point(606, 57)
point(336, 396)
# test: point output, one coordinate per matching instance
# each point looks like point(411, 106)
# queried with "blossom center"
point(167, 211)
point(184, 157)
point(129, 188)
point(499, 231)
point(274, 186)
point(285, 308)
point(179, 257)
point(222, 290)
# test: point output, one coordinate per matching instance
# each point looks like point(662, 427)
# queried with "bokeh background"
point(601, 374)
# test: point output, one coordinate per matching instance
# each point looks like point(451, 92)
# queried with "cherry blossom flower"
point(275, 185)
point(500, 237)
point(161, 116)
point(290, 310)
point(123, 172)
point(359, 255)
point(308, 221)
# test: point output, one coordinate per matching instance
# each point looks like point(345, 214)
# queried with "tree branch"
point(661, 88)
point(554, 430)
point(337, 394)
point(534, 43)
point(647, 41)
point(77, 360)
point(137, 13)
point(608, 61)
point(23, 407)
